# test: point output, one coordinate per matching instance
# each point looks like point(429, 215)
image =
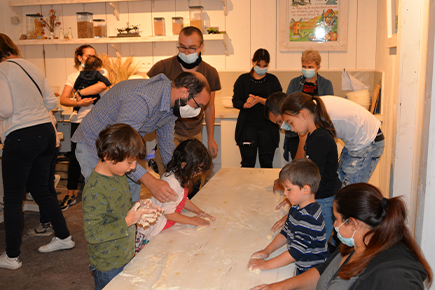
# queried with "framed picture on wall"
point(316, 24)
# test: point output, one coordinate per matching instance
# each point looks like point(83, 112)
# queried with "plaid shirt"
point(143, 104)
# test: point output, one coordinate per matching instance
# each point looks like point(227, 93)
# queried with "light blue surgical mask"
point(188, 58)
point(309, 73)
point(285, 126)
point(83, 65)
point(350, 242)
point(260, 71)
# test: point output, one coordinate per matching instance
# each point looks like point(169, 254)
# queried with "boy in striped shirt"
point(304, 230)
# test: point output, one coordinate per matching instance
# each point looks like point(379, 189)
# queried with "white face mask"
point(188, 112)
point(188, 58)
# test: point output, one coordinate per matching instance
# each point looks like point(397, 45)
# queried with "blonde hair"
point(311, 55)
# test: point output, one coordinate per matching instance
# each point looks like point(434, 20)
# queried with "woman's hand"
point(84, 102)
point(279, 224)
point(251, 101)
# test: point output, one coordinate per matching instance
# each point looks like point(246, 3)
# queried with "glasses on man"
point(190, 49)
point(198, 106)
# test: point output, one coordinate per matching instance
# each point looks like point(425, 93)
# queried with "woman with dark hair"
point(29, 141)
point(71, 98)
point(377, 250)
point(253, 131)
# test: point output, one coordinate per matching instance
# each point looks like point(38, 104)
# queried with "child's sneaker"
point(67, 201)
point(57, 244)
point(10, 263)
point(43, 230)
point(73, 117)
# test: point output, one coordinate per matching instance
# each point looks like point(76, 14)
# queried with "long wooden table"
point(215, 258)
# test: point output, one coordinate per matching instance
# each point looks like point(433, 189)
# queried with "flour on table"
point(161, 282)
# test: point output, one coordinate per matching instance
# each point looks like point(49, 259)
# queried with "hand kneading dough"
point(256, 271)
point(200, 228)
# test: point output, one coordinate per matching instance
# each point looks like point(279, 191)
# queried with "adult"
point(378, 251)
point(81, 54)
point(253, 131)
point(188, 59)
point(311, 83)
point(147, 106)
point(355, 126)
point(29, 143)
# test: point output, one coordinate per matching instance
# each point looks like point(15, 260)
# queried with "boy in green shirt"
point(107, 208)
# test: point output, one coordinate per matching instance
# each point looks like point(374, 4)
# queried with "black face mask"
point(190, 65)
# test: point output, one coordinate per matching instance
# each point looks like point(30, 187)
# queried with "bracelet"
point(78, 92)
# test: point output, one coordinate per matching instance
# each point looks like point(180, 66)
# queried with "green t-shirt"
point(106, 202)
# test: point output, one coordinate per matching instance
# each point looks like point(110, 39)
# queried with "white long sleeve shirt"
point(22, 105)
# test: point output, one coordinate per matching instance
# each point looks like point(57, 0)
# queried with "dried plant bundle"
point(118, 69)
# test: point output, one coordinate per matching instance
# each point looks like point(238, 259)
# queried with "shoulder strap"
point(28, 75)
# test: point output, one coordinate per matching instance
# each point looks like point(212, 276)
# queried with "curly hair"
point(79, 52)
point(189, 161)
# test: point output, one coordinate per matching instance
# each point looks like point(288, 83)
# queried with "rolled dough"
point(161, 282)
point(200, 228)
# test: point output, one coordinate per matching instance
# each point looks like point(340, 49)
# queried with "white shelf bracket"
point(224, 2)
point(225, 42)
point(115, 6)
point(18, 10)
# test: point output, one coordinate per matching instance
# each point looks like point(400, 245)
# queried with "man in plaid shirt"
point(147, 106)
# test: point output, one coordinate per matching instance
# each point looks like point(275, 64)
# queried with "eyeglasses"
point(190, 49)
point(198, 106)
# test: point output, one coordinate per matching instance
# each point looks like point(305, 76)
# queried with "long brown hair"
point(79, 52)
point(297, 101)
point(385, 217)
point(7, 47)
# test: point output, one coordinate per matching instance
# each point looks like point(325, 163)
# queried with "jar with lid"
point(34, 26)
point(195, 13)
point(159, 26)
point(85, 27)
point(100, 28)
point(177, 25)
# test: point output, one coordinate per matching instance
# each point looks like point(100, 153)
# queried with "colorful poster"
point(313, 20)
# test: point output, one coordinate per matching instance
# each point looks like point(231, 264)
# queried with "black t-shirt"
point(321, 148)
point(310, 89)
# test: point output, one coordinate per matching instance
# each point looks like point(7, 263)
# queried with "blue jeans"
point(358, 166)
point(326, 206)
point(88, 162)
point(102, 278)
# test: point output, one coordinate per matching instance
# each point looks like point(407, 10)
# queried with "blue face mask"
point(350, 242)
point(83, 65)
point(309, 73)
point(260, 71)
point(285, 126)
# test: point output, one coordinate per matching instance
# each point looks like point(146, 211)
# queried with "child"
point(304, 230)
point(90, 75)
point(310, 82)
point(109, 217)
point(307, 115)
point(189, 161)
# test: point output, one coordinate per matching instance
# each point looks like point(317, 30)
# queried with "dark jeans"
point(260, 139)
point(73, 165)
point(27, 155)
point(102, 278)
point(43, 217)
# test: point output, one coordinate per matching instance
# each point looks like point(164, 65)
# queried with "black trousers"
point(27, 155)
point(257, 139)
point(73, 165)
point(43, 217)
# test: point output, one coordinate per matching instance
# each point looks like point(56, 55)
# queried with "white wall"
point(250, 24)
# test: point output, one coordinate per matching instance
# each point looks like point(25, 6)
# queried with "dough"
point(161, 282)
point(272, 235)
point(256, 271)
point(200, 228)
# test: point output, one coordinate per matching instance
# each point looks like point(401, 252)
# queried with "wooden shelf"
point(118, 40)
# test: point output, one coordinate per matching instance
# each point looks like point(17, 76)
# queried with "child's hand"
point(257, 263)
point(259, 255)
point(279, 224)
point(206, 215)
point(282, 203)
point(197, 221)
point(144, 213)
point(277, 186)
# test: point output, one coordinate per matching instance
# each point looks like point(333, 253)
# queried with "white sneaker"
point(10, 263)
point(57, 244)
point(73, 117)
point(56, 180)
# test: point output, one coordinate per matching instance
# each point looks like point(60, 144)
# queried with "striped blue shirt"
point(145, 105)
point(306, 236)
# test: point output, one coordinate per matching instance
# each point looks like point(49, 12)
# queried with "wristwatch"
point(78, 92)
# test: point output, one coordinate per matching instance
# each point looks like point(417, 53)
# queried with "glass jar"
point(85, 27)
point(34, 26)
point(100, 28)
point(195, 13)
point(159, 26)
point(177, 25)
